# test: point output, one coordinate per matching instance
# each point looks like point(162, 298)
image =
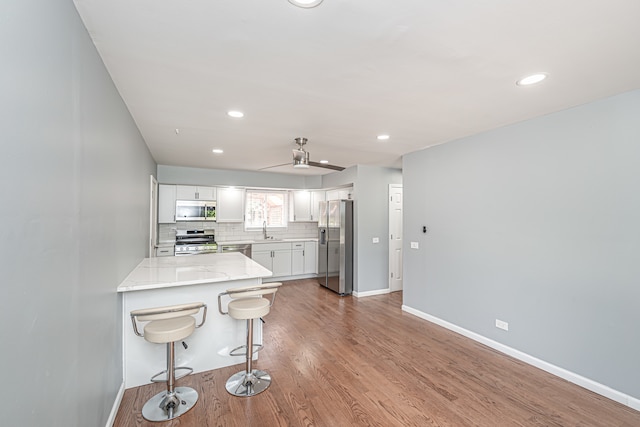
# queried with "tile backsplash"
point(235, 231)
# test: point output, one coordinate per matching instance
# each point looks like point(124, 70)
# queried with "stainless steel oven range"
point(195, 242)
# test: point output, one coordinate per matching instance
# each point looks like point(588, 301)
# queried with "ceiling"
point(422, 71)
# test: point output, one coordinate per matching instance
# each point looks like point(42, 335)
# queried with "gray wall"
point(74, 181)
point(536, 224)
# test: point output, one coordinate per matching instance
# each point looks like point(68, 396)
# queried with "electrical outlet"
point(501, 324)
point(376, 240)
point(415, 245)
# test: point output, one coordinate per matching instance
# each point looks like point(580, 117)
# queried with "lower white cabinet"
point(304, 258)
point(273, 256)
point(165, 251)
point(287, 259)
point(297, 258)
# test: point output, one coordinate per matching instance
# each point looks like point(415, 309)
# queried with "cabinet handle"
point(197, 195)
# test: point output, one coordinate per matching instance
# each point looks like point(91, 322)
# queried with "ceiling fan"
point(301, 158)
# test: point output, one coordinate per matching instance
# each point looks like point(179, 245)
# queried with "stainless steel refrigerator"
point(335, 246)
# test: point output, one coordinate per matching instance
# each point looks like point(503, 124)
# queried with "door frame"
point(393, 283)
point(153, 215)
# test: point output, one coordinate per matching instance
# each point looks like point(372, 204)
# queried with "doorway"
point(395, 237)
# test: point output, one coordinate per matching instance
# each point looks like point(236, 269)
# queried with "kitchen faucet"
point(264, 229)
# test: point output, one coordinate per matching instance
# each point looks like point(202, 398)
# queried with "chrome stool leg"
point(250, 381)
point(172, 402)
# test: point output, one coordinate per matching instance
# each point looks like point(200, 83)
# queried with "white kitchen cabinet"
point(301, 205)
point(165, 251)
point(191, 192)
point(166, 204)
point(281, 263)
point(340, 194)
point(316, 198)
point(297, 258)
point(230, 204)
point(310, 257)
point(273, 256)
point(262, 257)
point(305, 205)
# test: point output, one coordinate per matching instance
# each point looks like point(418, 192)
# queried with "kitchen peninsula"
point(161, 281)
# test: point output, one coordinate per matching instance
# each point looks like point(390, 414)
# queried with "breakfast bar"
point(163, 281)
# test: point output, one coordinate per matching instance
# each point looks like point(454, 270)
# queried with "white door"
point(153, 216)
point(395, 237)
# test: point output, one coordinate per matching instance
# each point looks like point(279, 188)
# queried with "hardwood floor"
point(344, 361)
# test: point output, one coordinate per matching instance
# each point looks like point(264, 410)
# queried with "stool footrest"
point(177, 376)
point(256, 348)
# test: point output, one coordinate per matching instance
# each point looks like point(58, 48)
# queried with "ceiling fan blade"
point(275, 166)
point(326, 166)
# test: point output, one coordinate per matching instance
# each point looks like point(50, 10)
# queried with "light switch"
point(415, 245)
point(376, 240)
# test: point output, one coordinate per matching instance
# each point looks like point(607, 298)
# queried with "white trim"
point(371, 293)
point(572, 377)
point(116, 406)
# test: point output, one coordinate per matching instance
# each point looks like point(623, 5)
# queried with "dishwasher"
point(244, 248)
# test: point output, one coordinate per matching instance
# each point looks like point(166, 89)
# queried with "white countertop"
point(255, 242)
point(165, 272)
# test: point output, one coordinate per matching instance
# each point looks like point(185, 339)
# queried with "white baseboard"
point(116, 405)
point(371, 293)
point(572, 377)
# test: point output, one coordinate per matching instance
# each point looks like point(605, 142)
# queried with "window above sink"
point(267, 206)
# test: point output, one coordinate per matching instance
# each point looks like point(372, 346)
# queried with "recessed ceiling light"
point(383, 137)
point(305, 3)
point(236, 114)
point(532, 79)
point(217, 151)
point(324, 162)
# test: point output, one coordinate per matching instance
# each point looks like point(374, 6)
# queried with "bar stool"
point(248, 304)
point(166, 325)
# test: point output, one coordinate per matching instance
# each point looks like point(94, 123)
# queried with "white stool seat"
point(169, 330)
point(249, 308)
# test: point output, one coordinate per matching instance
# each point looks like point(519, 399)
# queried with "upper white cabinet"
point(190, 192)
point(316, 198)
point(305, 205)
point(230, 204)
point(301, 205)
point(340, 194)
point(166, 203)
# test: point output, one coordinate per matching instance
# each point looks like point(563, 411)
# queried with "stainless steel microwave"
point(195, 210)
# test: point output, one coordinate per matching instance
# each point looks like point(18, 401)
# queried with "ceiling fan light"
point(307, 4)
